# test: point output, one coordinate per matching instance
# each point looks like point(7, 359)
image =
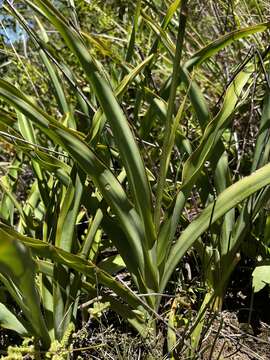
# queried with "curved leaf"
point(9, 321)
point(217, 45)
point(227, 200)
point(18, 268)
point(109, 186)
point(75, 262)
point(128, 148)
point(216, 127)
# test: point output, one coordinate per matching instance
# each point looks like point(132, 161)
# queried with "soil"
point(235, 340)
point(242, 330)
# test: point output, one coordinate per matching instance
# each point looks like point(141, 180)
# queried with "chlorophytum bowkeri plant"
point(88, 167)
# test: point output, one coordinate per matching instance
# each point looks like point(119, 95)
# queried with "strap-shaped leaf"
point(128, 148)
point(193, 166)
point(216, 127)
point(225, 40)
point(75, 262)
point(103, 178)
point(227, 200)
point(9, 321)
point(18, 267)
point(135, 317)
point(98, 119)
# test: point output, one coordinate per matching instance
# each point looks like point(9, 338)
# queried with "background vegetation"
point(134, 174)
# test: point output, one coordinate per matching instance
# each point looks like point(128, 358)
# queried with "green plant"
point(72, 163)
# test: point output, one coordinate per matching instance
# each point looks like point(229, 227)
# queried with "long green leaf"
point(98, 119)
point(214, 130)
point(125, 140)
point(133, 34)
point(227, 39)
point(262, 148)
point(193, 166)
point(135, 317)
point(75, 262)
point(227, 200)
point(171, 122)
point(64, 305)
point(9, 321)
point(110, 188)
point(17, 265)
